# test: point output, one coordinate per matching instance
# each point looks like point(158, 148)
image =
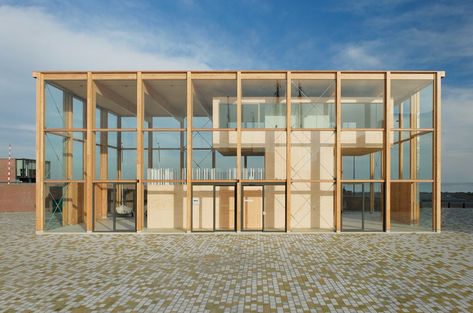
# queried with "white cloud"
point(32, 39)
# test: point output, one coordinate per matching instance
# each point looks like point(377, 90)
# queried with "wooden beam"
point(90, 145)
point(338, 156)
point(140, 151)
point(288, 152)
point(161, 100)
point(189, 151)
point(388, 125)
point(39, 153)
point(124, 104)
point(438, 153)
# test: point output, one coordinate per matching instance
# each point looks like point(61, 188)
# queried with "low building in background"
point(238, 151)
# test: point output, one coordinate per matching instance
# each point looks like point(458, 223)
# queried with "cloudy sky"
point(246, 34)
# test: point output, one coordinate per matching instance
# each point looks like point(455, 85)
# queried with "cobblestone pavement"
point(237, 272)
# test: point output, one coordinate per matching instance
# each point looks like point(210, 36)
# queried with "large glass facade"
point(239, 151)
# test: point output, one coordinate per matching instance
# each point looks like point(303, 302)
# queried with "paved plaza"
point(320, 272)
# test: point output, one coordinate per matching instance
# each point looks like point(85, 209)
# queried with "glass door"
point(362, 207)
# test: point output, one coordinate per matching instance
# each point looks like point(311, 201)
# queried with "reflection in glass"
point(412, 103)
point(64, 207)
point(362, 103)
point(362, 206)
point(411, 206)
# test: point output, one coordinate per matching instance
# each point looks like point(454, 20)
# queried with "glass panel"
point(64, 155)
point(165, 155)
point(214, 103)
point(411, 206)
point(117, 97)
point(202, 208)
point(411, 155)
point(214, 155)
point(362, 154)
point(166, 206)
point(362, 206)
point(313, 103)
point(263, 154)
point(252, 207)
point(64, 209)
point(412, 103)
point(312, 206)
point(274, 206)
point(224, 207)
point(114, 207)
point(401, 155)
point(165, 103)
point(362, 103)
point(313, 155)
point(263, 103)
point(63, 97)
point(115, 161)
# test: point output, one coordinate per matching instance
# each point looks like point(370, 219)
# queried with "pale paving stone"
point(237, 272)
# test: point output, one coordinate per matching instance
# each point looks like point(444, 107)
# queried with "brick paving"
point(237, 272)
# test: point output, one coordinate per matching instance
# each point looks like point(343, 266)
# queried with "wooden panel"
point(252, 208)
point(263, 75)
point(164, 76)
point(402, 207)
point(65, 76)
point(362, 75)
point(216, 75)
point(114, 76)
point(296, 75)
point(414, 76)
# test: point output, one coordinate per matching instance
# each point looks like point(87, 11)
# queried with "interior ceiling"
point(403, 88)
point(313, 88)
point(168, 97)
point(204, 91)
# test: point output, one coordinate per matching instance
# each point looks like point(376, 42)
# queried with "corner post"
point(39, 152)
point(437, 154)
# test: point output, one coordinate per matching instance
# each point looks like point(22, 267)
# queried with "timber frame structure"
point(238, 151)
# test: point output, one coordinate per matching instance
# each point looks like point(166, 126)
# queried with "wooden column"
point(401, 146)
point(101, 198)
point(238, 173)
point(189, 151)
point(150, 144)
point(90, 144)
point(67, 214)
point(388, 109)
point(288, 152)
point(140, 151)
point(39, 152)
point(338, 157)
point(413, 159)
point(437, 196)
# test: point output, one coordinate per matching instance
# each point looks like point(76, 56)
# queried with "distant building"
point(239, 151)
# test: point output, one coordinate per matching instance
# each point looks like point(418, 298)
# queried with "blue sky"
point(247, 34)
